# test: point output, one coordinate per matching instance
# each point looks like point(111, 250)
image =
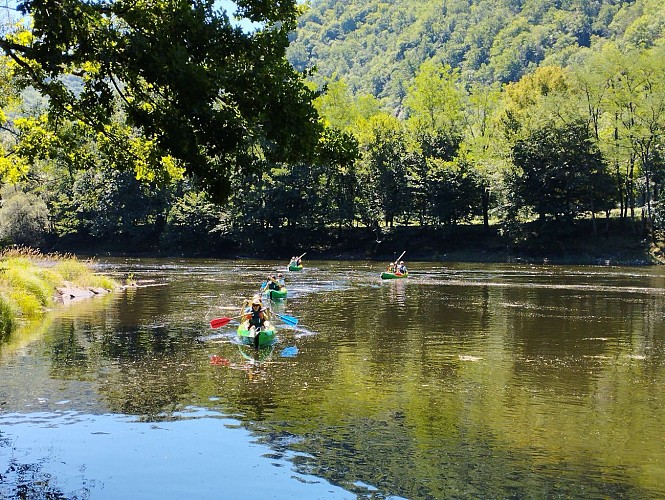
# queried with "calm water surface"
point(461, 381)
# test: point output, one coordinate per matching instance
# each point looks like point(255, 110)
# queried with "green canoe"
point(266, 335)
point(295, 268)
point(385, 275)
point(276, 294)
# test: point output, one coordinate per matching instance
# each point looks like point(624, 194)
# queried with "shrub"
point(23, 218)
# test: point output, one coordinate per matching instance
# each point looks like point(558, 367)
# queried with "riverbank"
point(31, 283)
point(607, 242)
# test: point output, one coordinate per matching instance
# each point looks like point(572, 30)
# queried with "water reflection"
point(462, 380)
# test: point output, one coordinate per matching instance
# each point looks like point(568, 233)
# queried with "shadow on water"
point(460, 381)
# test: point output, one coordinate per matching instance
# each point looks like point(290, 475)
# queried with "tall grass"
point(7, 316)
point(28, 282)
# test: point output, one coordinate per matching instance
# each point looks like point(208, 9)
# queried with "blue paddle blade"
point(290, 320)
point(289, 352)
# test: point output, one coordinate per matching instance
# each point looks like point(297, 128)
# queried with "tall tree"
point(483, 146)
point(560, 172)
point(200, 87)
point(383, 151)
point(434, 101)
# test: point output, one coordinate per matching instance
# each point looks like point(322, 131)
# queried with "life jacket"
point(256, 320)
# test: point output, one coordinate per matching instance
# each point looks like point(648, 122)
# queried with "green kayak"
point(295, 268)
point(385, 275)
point(250, 336)
point(276, 294)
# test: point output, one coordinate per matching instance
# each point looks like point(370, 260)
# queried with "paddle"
point(289, 320)
point(289, 352)
point(217, 322)
point(302, 256)
point(397, 260)
point(394, 266)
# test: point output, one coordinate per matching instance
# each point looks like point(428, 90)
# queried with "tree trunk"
point(486, 208)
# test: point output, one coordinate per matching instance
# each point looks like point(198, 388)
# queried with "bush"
point(23, 218)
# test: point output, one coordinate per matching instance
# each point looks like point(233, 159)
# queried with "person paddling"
point(256, 316)
point(270, 284)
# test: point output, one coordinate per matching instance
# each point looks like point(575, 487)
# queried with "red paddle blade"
point(217, 360)
point(217, 322)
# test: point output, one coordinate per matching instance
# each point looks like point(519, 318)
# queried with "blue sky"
point(230, 7)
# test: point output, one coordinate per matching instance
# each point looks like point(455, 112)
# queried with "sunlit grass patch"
point(28, 281)
point(72, 270)
point(7, 314)
point(27, 304)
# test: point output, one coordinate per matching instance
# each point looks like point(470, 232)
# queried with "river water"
point(461, 381)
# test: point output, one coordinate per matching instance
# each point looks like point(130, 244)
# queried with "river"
point(460, 381)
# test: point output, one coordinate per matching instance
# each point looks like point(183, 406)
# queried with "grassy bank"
point(29, 280)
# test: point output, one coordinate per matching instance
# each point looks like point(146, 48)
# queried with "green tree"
point(483, 145)
point(191, 221)
point(632, 122)
point(454, 190)
point(523, 100)
point(434, 101)
point(384, 175)
point(560, 173)
point(430, 150)
point(24, 217)
point(338, 182)
point(112, 206)
point(190, 81)
point(340, 109)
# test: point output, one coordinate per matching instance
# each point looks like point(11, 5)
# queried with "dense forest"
point(338, 126)
point(376, 46)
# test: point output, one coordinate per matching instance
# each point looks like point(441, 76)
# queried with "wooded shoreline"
point(576, 243)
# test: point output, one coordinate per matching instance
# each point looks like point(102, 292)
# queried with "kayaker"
point(255, 314)
point(401, 268)
point(272, 283)
point(269, 284)
point(280, 280)
point(391, 268)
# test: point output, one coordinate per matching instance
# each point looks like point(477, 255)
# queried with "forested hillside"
point(376, 46)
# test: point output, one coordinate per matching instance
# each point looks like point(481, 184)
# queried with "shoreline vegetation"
point(579, 242)
point(32, 282)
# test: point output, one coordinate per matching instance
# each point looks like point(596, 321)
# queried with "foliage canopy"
point(192, 83)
